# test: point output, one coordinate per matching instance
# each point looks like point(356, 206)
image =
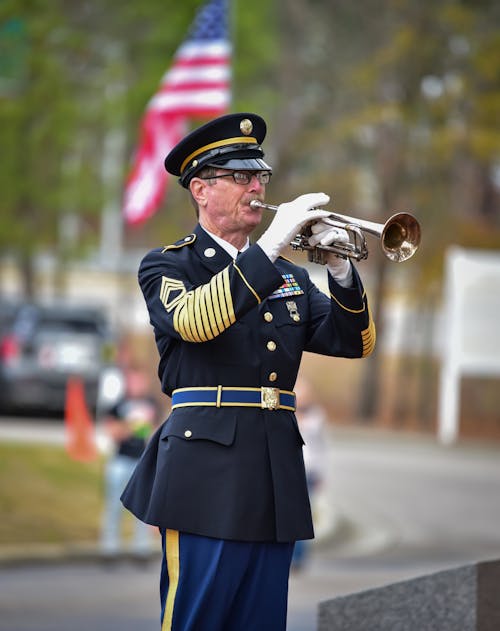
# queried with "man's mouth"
point(255, 203)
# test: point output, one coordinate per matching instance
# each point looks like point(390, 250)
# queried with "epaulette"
point(191, 238)
point(285, 259)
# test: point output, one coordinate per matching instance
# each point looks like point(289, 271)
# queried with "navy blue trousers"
point(216, 585)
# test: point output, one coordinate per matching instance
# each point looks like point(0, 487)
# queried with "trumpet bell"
point(400, 237)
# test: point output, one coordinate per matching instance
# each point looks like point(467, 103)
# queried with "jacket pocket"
point(201, 423)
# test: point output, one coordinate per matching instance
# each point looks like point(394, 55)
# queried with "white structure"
point(471, 344)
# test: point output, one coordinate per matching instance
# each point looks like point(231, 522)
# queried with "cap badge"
point(246, 127)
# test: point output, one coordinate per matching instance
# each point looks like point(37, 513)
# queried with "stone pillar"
point(460, 599)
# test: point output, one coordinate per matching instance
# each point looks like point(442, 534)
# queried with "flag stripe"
point(222, 60)
point(184, 101)
point(194, 75)
point(212, 49)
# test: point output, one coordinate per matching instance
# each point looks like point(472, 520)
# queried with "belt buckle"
point(269, 398)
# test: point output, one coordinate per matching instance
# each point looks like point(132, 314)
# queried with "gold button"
point(273, 376)
point(271, 346)
point(296, 318)
point(268, 316)
point(188, 433)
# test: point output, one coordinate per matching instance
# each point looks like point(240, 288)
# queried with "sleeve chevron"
point(203, 313)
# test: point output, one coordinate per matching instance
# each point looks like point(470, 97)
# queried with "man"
point(224, 478)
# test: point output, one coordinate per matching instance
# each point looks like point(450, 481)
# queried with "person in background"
point(224, 477)
point(312, 421)
point(128, 424)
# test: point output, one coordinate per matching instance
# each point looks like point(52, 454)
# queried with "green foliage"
point(404, 93)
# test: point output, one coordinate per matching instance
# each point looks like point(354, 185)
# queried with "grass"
point(45, 497)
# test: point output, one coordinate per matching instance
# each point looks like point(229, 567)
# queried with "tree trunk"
point(27, 269)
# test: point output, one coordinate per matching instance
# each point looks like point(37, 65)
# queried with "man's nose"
point(255, 183)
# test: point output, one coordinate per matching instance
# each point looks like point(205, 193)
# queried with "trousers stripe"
point(172, 559)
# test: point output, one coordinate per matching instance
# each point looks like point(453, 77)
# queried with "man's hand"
point(325, 234)
point(290, 218)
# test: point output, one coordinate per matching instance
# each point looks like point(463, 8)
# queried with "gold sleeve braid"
point(203, 313)
point(369, 336)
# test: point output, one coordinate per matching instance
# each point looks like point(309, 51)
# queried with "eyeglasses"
point(244, 177)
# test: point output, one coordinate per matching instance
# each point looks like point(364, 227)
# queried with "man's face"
point(227, 202)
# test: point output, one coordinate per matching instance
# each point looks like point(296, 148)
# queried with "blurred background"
point(386, 106)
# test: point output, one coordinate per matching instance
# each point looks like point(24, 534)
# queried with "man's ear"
point(197, 186)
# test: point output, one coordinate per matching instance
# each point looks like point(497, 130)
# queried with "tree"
point(402, 96)
point(55, 118)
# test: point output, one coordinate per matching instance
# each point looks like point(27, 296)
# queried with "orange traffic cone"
point(80, 431)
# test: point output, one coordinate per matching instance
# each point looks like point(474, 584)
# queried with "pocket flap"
point(191, 423)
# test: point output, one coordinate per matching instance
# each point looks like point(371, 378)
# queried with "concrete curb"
point(48, 554)
point(336, 532)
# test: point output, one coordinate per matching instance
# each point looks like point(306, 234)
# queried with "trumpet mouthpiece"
point(255, 203)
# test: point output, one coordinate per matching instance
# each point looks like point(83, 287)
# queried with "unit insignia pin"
point(291, 305)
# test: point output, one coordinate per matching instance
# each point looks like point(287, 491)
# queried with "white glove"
point(340, 269)
point(325, 234)
point(290, 218)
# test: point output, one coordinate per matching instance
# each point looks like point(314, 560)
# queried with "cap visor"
point(242, 164)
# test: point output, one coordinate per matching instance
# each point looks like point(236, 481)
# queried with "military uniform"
point(223, 478)
point(235, 472)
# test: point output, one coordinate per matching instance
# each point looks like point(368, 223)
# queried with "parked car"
point(41, 347)
point(8, 310)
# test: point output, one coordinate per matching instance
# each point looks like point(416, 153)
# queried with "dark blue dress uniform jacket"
point(235, 472)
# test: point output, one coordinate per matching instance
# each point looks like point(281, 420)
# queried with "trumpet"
point(399, 236)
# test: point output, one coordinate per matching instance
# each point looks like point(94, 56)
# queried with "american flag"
point(197, 86)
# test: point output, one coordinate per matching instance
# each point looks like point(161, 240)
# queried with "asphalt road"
point(395, 507)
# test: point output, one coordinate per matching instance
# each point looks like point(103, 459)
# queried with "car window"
point(31, 320)
point(69, 326)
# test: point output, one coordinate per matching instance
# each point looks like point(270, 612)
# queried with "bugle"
point(399, 236)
